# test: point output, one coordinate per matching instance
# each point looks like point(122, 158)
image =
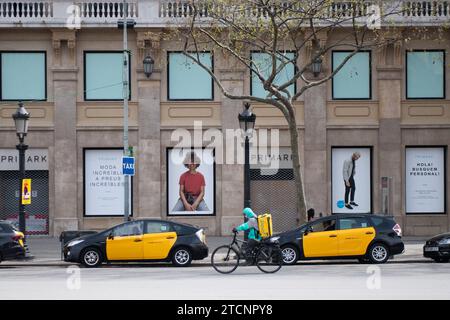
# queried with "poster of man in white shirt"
point(351, 180)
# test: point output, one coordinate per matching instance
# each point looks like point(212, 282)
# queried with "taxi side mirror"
point(111, 236)
point(307, 231)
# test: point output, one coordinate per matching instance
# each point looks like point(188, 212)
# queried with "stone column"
point(232, 174)
point(315, 149)
point(390, 140)
point(389, 133)
point(65, 75)
point(148, 153)
point(315, 133)
point(149, 134)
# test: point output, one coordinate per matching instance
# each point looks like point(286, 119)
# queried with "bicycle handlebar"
point(235, 233)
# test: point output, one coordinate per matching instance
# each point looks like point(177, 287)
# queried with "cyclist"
point(253, 235)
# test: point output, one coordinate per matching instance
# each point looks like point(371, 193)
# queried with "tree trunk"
point(301, 201)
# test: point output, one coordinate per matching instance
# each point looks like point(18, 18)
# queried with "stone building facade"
point(65, 124)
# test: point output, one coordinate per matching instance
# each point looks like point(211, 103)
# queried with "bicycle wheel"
point(269, 259)
point(225, 259)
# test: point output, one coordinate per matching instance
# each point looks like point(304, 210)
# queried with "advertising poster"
point(425, 180)
point(351, 180)
point(26, 191)
point(190, 182)
point(104, 183)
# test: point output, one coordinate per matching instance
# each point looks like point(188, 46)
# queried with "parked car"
point(140, 240)
point(438, 248)
point(11, 241)
point(366, 237)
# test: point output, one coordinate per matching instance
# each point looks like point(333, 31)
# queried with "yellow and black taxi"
point(11, 241)
point(438, 248)
point(366, 237)
point(140, 240)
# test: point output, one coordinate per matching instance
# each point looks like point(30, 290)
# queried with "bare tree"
point(273, 28)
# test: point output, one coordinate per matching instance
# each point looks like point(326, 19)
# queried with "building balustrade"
point(162, 13)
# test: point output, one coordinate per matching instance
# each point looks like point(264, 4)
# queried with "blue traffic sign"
point(128, 166)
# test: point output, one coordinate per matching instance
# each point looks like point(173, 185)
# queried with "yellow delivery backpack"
point(265, 225)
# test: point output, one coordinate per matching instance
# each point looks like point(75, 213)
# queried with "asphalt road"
point(426, 280)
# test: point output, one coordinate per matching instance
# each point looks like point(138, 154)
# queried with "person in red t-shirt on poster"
point(192, 186)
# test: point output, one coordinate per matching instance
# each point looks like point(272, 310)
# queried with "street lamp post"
point(125, 24)
point(247, 123)
point(21, 118)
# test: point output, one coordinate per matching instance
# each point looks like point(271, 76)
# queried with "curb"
point(203, 263)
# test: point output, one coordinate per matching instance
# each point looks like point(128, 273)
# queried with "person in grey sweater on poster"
point(348, 172)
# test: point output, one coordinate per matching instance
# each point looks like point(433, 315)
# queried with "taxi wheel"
point(181, 257)
point(91, 258)
point(378, 253)
point(290, 254)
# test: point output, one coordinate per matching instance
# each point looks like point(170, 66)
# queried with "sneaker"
point(349, 206)
point(354, 204)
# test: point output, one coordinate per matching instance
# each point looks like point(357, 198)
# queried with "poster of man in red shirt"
point(194, 182)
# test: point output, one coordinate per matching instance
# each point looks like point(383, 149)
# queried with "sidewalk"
point(47, 252)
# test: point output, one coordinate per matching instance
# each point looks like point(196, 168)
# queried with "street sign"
point(128, 166)
point(26, 191)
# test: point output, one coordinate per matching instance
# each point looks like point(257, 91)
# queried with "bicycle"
point(266, 255)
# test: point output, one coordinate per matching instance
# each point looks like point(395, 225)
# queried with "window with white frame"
point(262, 61)
point(23, 76)
point(103, 76)
point(187, 80)
point(353, 80)
point(425, 74)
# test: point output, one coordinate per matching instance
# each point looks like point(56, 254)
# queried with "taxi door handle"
point(369, 232)
point(138, 240)
point(170, 238)
point(333, 236)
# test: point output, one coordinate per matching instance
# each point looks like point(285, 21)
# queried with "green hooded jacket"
point(251, 225)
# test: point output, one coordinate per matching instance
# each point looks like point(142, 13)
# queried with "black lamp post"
point(148, 66)
point(316, 66)
point(247, 123)
point(21, 118)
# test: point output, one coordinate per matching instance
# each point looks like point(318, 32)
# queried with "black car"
point(366, 237)
point(438, 248)
point(11, 242)
point(140, 240)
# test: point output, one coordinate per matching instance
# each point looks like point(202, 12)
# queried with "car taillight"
point(17, 237)
point(397, 229)
point(201, 235)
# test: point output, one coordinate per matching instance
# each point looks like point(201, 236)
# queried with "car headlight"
point(74, 242)
point(445, 241)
